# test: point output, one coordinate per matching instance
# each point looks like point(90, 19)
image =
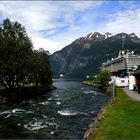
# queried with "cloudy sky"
point(54, 24)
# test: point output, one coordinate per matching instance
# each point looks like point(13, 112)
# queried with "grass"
point(122, 120)
point(89, 82)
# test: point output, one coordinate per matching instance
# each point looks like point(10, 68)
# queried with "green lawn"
point(122, 120)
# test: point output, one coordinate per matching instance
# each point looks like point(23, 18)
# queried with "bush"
point(102, 80)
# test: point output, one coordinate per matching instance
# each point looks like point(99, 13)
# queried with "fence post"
point(114, 93)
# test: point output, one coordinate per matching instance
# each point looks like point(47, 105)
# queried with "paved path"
point(132, 94)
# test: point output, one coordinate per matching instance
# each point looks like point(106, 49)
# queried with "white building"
point(61, 76)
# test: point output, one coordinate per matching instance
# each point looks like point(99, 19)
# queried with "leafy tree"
point(15, 50)
point(102, 79)
point(19, 64)
point(41, 72)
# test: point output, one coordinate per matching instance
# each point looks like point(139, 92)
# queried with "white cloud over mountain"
point(124, 21)
point(52, 25)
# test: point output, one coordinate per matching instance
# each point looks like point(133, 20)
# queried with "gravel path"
point(132, 94)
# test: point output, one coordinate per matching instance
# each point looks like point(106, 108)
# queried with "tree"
point(41, 72)
point(19, 64)
point(15, 51)
point(102, 79)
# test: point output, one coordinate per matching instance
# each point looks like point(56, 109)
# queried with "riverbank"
point(17, 96)
point(120, 120)
point(89, 83)
point(108, 91)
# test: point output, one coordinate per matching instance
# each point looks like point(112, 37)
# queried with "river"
point(63, 113)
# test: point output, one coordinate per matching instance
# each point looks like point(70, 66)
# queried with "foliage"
point(15, 49)
point(41, 72)
point(19, 64)
point(138, 68)
point(121, 120)
point(102, 80)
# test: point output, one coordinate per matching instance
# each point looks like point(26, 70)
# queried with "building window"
point(122, 81)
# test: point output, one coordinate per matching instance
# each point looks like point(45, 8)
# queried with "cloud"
point(34, 15)
point(54, 24)
point(43, 19)
point(132, 4)
point(41, 42)
point(127, 21)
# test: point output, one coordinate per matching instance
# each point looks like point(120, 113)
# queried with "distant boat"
point(61, 76)
point(87, 76)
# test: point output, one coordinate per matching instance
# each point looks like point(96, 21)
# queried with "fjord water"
point(63, 113)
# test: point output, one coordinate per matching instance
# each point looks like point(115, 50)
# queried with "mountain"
point(85, 55)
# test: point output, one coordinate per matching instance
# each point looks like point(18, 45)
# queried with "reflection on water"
point(63, 114)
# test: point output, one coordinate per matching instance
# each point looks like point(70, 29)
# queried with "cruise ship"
point(122, 67)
